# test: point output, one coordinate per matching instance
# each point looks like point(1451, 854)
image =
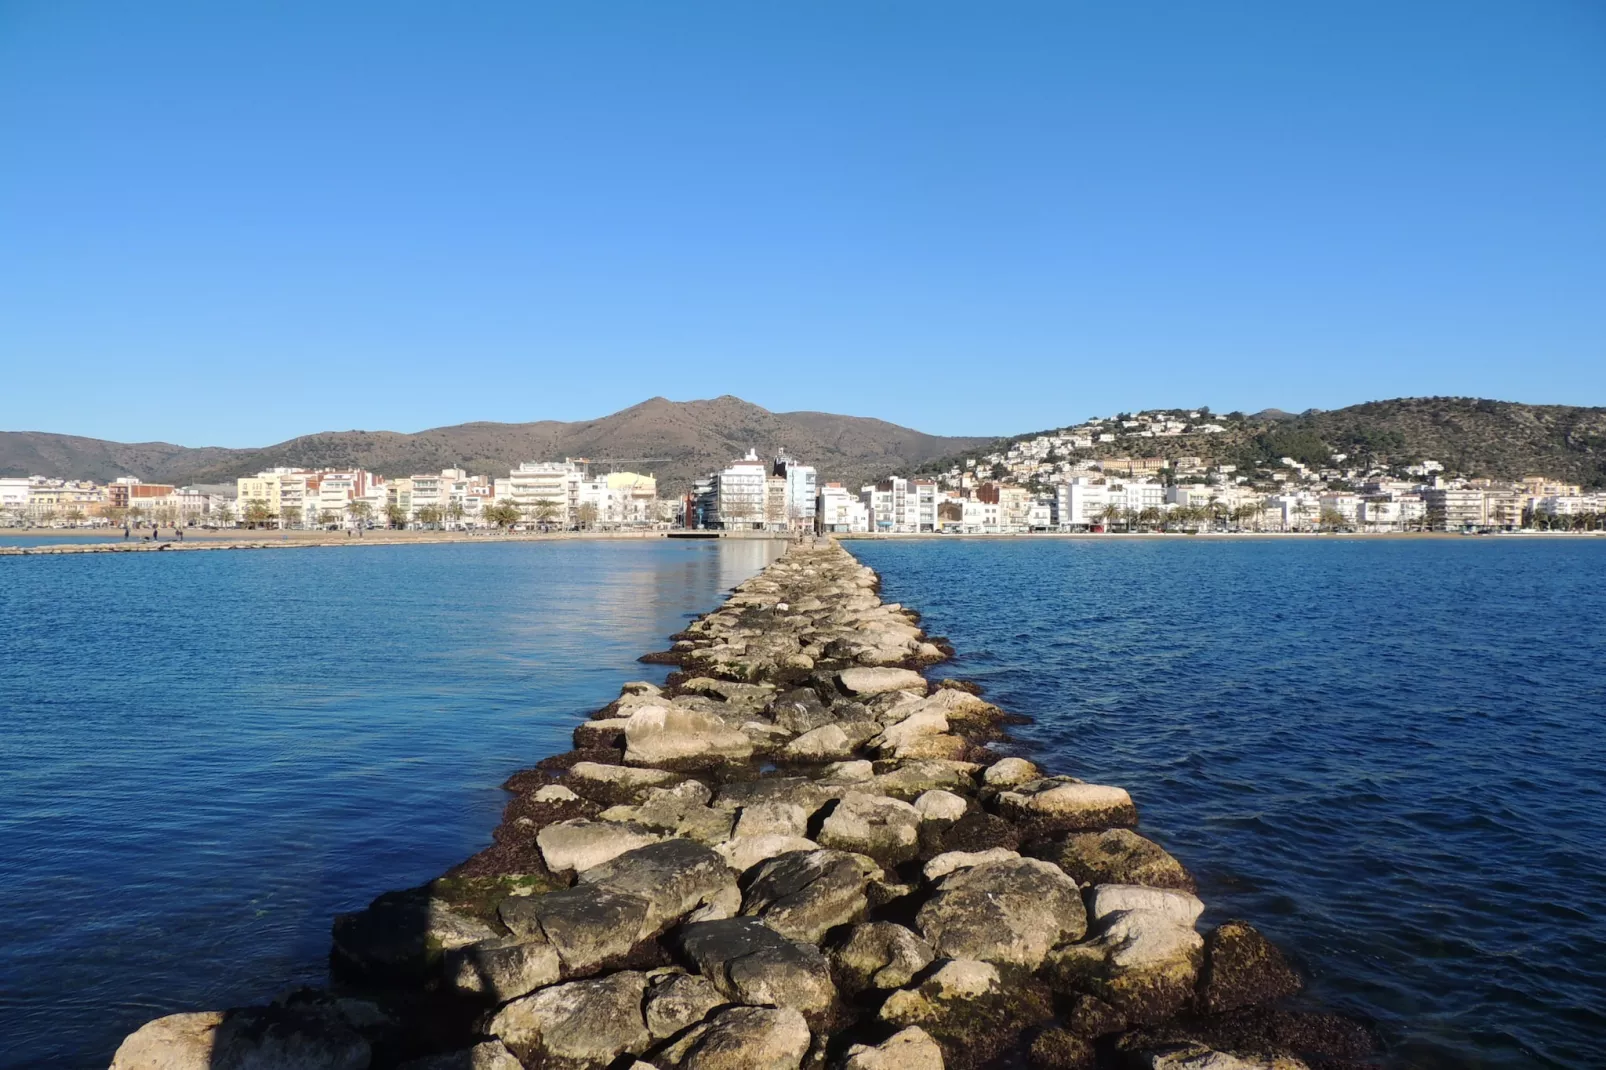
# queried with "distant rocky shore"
point(797, 853)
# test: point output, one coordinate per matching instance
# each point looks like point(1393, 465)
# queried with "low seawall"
point(799, 852)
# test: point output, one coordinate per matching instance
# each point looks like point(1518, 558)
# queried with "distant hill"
point(677, 441)
point(1470, 436)
point(1473, 436)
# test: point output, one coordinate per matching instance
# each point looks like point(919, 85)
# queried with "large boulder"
point(886, 829)
point(745, 852)
point(1010, 772)
point(613, 785)
point(679, 1001)
point(582, 1025)
point(973, 1010)
point(254, 1038)
point(1142, 956)
point(800, 711)
point(876, 681)
point(589, 927)
point(504, 968)
point(908, 1049)
point(1199, 1057)
point(751, 963)
point(879, 954)
point(580, 843)
point(1064, 804)
point(1242, 969)
point(674, 877)
point(402, 936)
point(909, 779)
point(803, 895)
point(750, 1038)
point(676, 737)
point(1116, 856)
point(776, 817)
point(1013, 910)
point(828, 743)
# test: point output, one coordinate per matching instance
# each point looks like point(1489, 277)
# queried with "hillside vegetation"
point(1470, 436)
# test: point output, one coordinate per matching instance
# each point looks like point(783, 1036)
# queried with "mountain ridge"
point(680, 441)
point(676, 440)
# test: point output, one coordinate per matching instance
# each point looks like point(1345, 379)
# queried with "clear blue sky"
point(231, 223)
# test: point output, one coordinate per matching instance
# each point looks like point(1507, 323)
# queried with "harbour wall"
point(798, 852)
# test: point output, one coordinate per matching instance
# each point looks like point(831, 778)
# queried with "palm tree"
point(545, 511)
point(504, 514)
point(429, 516)
point(395, 515)
point(1150, 516)
point(1130, 516)
point(256, 512)
point(1110, 514)
point(359, 511)
point(454, 512)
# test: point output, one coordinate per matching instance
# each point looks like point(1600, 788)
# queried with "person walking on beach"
point(125, 532)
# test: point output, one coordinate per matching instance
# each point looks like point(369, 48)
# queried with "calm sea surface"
point(1389, 755)
point(205, 756)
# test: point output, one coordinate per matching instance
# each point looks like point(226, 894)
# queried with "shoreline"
point(91, 544)
point(94, 542)
point(799, 852)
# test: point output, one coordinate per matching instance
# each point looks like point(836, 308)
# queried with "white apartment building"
point(839, 511)
point(1081, 504)
point(546, 492)
point(739, 490)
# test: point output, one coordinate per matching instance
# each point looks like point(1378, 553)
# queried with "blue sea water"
point(1388, 755)
point(205, 756)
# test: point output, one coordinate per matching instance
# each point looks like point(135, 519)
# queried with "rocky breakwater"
point(796, 853)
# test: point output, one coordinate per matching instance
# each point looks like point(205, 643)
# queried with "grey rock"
point(504, 968)
point(254, 1038)
point(879, 954)
point(886, 829)
point(940, 806)
point(877, 681)
point(588, 926)
point(751, 963)
point(803, 895)
point(678, 1002)
point(674, 877)
point(745, 852)
point(949, 861)
point(824, 744)
point(910, 779)
point(1009, 772)
point(751, 1038)
point(582, 1025)
point(1143, 955)
point(909, 1049)
point(403, 934)
point(613, 785)
point(775, 818)
point(1242, 969)
point(1063, 804)
point(800, 711)
point(579, 843)
point(675, 737)
point(1012, 911)
point(1117, 856)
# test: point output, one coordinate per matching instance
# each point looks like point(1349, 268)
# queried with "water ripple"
point(1385, 753)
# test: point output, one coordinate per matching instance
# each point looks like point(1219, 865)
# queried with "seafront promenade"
point(796, 851)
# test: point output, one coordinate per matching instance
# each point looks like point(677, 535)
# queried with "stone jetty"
point(797, 853)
